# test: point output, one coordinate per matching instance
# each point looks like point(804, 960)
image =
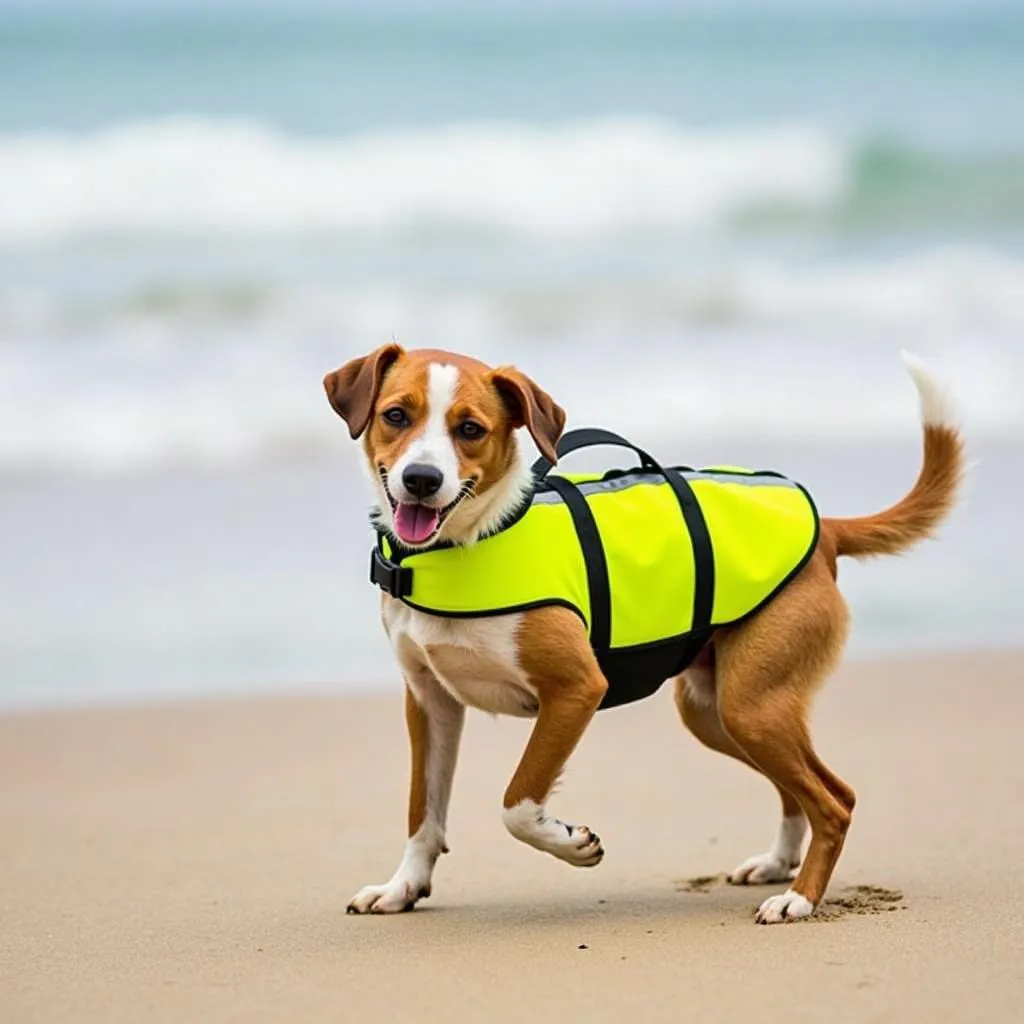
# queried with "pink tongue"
point(415, 523)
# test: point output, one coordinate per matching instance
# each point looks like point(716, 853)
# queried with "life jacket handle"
point(588, 437)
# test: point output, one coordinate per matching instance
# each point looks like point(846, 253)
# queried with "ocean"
point(711, 230)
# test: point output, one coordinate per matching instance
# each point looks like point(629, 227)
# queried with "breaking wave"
point(199, 176)
point(194, 176)
point(206, 378)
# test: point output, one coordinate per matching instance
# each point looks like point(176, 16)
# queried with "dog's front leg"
point(566, 708)
point(435, 723)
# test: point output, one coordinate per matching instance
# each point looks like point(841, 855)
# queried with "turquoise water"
point(711, 230)
point(944, 78)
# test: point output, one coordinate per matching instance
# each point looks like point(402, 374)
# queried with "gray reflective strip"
point(621, 483)
point(743, 479)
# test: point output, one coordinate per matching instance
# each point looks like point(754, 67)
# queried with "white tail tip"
point(937, 409)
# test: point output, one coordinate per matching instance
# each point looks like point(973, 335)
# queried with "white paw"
point(575, 844)
point(411, 882)
point(763, 869)
point(788, 906)
point(778, 863)
point(392, 898)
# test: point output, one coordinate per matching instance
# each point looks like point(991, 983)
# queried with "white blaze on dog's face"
point(439, 436)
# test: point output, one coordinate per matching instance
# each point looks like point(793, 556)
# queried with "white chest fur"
point(475, 660)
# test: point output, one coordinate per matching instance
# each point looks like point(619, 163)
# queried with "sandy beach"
point(193, 863)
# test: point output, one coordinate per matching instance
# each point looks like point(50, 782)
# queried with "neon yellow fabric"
point(536, 560)
point(762, 529)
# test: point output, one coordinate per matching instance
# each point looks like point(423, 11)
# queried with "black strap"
point(693, 516)
point(588, 437)
point(594, 560)
point(703, 552)
point(393, 579)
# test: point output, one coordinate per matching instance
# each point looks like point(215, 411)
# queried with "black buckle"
point(391, 578)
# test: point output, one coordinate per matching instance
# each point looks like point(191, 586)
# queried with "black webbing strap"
point(594, 560)
point(391, 577)
point(588, 437)
point(703, 553)
point(693, 516)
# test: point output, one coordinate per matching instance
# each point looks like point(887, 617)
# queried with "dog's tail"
point(934, 492)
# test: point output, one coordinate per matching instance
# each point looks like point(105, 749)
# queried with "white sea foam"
point(204, 176)
point(759, 350)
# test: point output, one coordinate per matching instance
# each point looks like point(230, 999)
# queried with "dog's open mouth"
point(416, 523)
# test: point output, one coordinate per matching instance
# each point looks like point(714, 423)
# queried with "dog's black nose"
point(422, 481)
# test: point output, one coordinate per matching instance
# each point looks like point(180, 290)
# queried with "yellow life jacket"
point(652, 559)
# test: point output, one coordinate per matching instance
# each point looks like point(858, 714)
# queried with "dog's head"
point(438, 430)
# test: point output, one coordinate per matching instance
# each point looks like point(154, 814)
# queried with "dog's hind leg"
point(696, 699)
point(766, 671)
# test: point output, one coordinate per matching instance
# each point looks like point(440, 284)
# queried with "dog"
point(440, 436)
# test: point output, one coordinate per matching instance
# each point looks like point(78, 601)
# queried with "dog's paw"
point(787, 906)
point(763, 869)
point(410, 882)
point(575, 844)
point(393, 898)
point(580, 847)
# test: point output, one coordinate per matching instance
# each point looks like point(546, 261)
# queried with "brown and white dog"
point(439, 433)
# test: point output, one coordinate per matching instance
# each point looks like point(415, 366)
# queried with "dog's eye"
point(470, 430)
point(396, 416)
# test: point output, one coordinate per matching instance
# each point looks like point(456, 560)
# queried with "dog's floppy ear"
point(532, 408)
point(352, 389)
